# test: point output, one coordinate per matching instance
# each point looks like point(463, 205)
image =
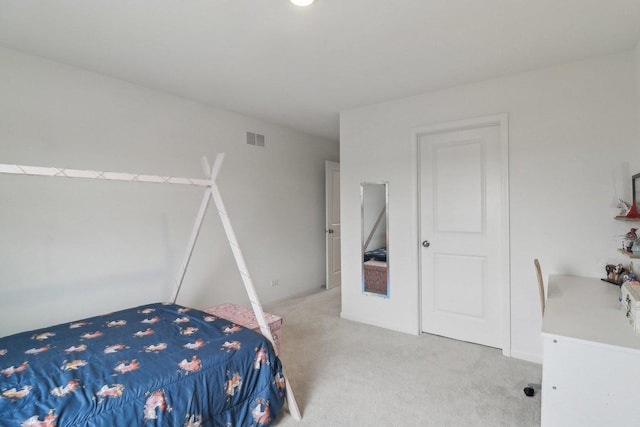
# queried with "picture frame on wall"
point(635, 186)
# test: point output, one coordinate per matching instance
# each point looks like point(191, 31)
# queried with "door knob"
point(426, 244)
point(329, 231)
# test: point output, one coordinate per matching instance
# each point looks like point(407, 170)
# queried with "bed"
point(158, 364)
point(379, 254)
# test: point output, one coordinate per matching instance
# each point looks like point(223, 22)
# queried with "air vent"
point(255, 139)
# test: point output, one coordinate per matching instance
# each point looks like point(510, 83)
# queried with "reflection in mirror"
point(375, 238)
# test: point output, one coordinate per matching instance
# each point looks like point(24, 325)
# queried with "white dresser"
point(591, 360)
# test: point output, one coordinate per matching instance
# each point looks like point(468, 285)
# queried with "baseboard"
point(370, 322)
point(302, 294)
point(529, 357)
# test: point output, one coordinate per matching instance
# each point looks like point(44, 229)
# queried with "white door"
point(461, 231)
point(332, 223)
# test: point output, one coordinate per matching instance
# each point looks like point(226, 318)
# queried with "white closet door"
point(460, 224)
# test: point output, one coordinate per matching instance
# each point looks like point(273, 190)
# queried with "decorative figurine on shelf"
point(630, 239)
point(618, 274)
point(635, 183)
point(633, 212)
point(624, 207)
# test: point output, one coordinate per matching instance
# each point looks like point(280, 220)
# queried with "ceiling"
point(299, 67)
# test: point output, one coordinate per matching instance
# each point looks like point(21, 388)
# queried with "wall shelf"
point(624, 218)
point(628, 254)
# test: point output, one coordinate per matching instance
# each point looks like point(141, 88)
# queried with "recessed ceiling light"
point(301, 2)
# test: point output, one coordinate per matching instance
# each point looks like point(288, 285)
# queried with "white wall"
point(70, 248)
point(570, 128)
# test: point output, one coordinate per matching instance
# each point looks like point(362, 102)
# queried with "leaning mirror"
point(375, 238)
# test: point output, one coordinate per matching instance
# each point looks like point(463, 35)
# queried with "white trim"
point(328, 203)
point(501, 120)
point(529, 357)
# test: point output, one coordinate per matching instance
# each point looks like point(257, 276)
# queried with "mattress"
point(158, 364)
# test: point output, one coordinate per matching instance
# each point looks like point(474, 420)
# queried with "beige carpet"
point(349, 374)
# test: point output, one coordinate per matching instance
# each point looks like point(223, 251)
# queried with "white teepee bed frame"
point(211, 191)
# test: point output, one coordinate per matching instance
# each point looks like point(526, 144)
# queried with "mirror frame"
point(363, 237)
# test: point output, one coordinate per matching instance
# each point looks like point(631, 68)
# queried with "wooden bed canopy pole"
point(210, 192)
point(198, 224)
point(213, 192)
point(248, 281)
point(373, 230)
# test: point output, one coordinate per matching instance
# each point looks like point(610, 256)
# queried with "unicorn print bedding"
point(158, 364)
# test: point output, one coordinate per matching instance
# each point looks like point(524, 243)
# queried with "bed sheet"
point(158, 364)
point(379, 254)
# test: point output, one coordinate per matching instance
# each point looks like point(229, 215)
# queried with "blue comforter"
point(379, 254)
point(159, 364)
